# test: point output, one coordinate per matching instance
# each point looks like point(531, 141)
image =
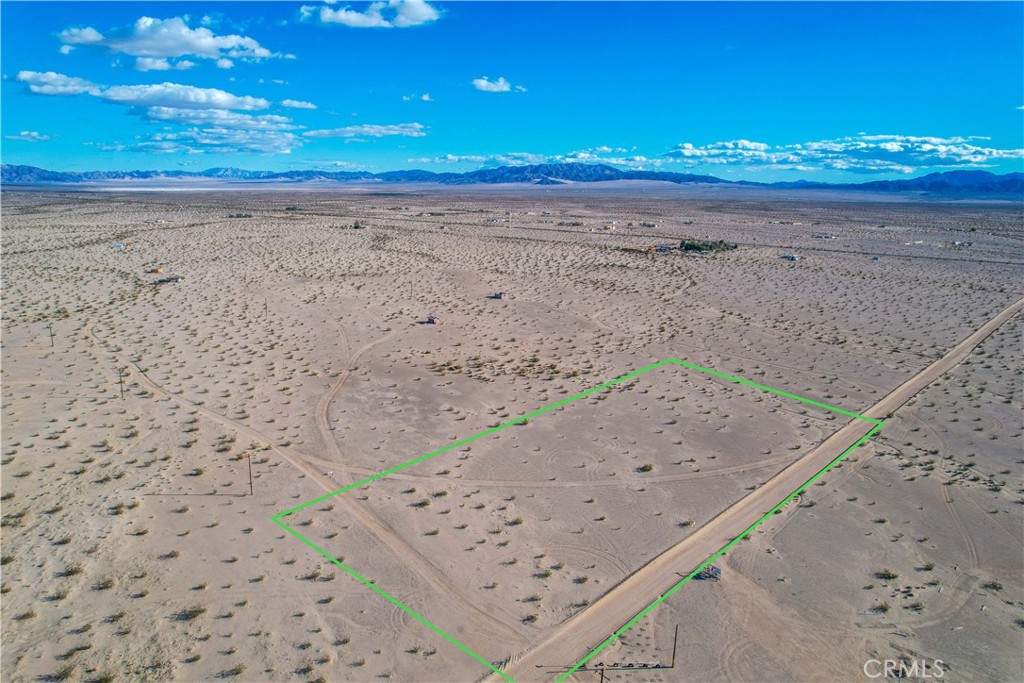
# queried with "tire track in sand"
point(574, 638)
point(483, 621)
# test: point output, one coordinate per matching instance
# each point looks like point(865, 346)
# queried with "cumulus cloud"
point(219, 141)
point(28, 136)
point(213, 120)
point(485, 84)
point(504, 159)
point(425, 97)
point(409, 130)
point(52, 83)
point(297, 104)
point(153, 64)
point(181, 96)
point(389, 14)
point(596, 155)
point(220, 118)
point(80, 36)
point(164, 39)
point(860, 153)
point(155, 95)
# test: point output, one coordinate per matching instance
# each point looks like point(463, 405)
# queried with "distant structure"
point(711, 572)
point(791, 257)
point(497, 295)
point(687, 246)
point(169, 280)
point(433, 320)
point(701, 246)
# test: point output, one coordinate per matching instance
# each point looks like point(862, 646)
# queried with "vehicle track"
point(972, 551)
point(578, 635)
point(484, 621)
point(581, 484)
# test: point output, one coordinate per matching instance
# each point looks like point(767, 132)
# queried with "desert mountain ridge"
point(974, 183)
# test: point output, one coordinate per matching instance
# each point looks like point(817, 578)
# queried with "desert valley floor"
point(323, 336)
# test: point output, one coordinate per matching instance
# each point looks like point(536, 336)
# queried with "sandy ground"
point(132, 548)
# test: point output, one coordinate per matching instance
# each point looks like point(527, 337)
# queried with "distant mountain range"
point(948, 184)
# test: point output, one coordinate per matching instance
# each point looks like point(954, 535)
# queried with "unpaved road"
point(574, 638)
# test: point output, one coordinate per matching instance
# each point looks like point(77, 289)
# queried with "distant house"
point(791, 257)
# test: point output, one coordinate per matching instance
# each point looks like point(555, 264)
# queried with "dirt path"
point(569, 642)
point(481, 620)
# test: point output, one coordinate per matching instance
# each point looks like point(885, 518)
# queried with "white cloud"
point(153, 64)
point(155, 95)
point(80, 36)
point(382, 14)
point(409, 130)
point(219, 141)
point(66, 49)
point(28, 136)
point(860, 153)
point(162, 39)
point(484, 84)
point(412, 13)
point(506, 159)
point(214, 120)
point(182, 96)
point(595, 155)
point(51, 83)
point(333, 165)
point(221, 118)
point(297, 104)
point(425, 97)
point(225, 63)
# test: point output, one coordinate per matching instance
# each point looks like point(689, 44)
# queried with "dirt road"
point(572, 640)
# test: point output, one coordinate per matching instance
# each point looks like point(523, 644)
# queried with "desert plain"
point(158, 347)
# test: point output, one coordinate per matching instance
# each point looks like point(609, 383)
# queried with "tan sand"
point(132, 550)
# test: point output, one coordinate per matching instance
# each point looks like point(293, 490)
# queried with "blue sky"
point(760, 91)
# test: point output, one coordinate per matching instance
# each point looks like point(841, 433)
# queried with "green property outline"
point(667, 594)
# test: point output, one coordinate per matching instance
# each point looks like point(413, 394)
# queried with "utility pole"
point(675, 641)
point(601, 671)
point(120, 380)
point(50, 327)
point(266, 313)
point(248, 457)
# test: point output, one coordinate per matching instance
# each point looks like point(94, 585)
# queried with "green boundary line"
point(647, 610)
